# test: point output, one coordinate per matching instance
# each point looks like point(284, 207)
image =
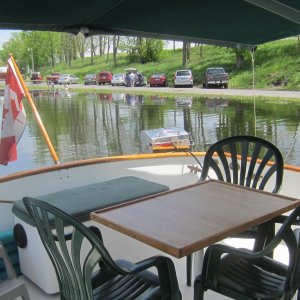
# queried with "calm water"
point(96, 125)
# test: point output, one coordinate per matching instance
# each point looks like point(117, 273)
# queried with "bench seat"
point(80, 201)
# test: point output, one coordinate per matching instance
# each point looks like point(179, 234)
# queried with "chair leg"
point(198, 288)
point(189, 260)
point(16, 291)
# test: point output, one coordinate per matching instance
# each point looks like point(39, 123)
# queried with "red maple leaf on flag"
point(13, 116)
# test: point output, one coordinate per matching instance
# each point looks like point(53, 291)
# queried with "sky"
point(5, 35)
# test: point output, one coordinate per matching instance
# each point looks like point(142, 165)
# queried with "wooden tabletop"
point(185, 220)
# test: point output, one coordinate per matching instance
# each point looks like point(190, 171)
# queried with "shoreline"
point(196, 90)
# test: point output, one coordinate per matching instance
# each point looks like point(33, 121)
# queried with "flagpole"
point(35, 112)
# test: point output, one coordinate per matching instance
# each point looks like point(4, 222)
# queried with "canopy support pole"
point(279, 9)
point(253, 86)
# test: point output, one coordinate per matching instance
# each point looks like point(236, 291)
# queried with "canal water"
point(87, 125)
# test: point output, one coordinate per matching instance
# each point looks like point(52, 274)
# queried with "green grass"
point(277, 65)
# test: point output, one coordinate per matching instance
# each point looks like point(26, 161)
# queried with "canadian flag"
point(13, 116)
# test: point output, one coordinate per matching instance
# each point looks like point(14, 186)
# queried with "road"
point(195, 90)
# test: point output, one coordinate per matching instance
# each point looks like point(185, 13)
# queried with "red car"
point(53, 78)
point(36, 77)
point(158, 80)
point(105, 77)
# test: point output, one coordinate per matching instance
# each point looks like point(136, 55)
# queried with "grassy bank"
point(277, 65)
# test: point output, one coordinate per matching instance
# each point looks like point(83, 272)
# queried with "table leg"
point(194, 264)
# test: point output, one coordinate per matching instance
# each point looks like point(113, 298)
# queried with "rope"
point(192, 154)
point(253, 87)
point(254, 108)
point(293, 144)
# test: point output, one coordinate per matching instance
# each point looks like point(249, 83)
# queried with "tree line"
point(36, 49)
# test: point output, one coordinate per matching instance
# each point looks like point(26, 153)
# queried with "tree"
point(108, 48)
point(184, 54)
point(200, 51)
point(142, 50)
point(188, 52)
point(116, 40)
point(92, 51)
point(54, 45)
point(41, 47)
point(15, 46)
point(82, 44)
point(102, 44)
point(240, 57)
point(68, 47)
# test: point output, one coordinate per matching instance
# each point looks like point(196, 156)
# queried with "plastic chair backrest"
point(291, 237)
point(259, 159)
point(73, 266)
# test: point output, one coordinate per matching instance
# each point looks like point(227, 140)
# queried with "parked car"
point(3, 72)
point(90, 79)
point(53, 78)
point(158, 80)
point(104, 77)
point(215, 77)
point(67, 79)
point(183, 78)
point(118, 79)
point(36, 77)
point(139, 80)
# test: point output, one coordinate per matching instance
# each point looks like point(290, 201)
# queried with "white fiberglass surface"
point(281, 252)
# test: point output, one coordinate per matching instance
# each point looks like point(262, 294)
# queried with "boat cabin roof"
point(231, 23)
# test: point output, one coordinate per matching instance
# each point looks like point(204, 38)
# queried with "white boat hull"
point(173, 169)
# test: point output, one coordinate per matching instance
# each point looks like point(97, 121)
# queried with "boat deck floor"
point(187, 292)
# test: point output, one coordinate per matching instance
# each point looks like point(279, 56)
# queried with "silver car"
point(118, 79)
point(183, 78)
point(90, 79)
point(67, 79)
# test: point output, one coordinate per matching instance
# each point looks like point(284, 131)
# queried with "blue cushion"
point(81, 201)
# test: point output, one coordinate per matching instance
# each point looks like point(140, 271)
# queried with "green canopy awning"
point(232, 23)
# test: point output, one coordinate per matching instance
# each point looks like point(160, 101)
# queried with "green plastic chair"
point(223, 158)
point(234, 160)
point(12, 287)
point(75, 269)
point(246, 274)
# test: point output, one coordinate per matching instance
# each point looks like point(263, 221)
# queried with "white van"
point(183, 78)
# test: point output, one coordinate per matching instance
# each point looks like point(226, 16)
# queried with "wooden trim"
point(79, 163)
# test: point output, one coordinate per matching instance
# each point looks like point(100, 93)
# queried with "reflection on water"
point(184, 101)
point(160, 100)
point(216, 102)
point(96, 125)
point(118, 96)
point(134, 100)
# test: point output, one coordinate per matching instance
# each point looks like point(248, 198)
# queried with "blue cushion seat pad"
point(80, 201)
